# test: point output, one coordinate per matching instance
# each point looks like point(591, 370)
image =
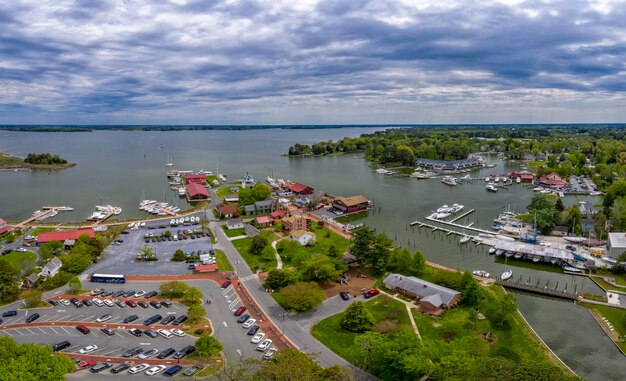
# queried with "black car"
point(129, 319)
point(108, 331)
point(32, 318)
point(87, 302)
point(129, 294)
point(344, 295)
point(76, 302)
point(166, 304)
point(155, 304)
point(120, 304)
point(143, 304)
point(150, 333)
point(119, 368)
point(152, 319)
point(253, 330)
point(132, 352)
point(243, 318)
point(151, 294)
point(190, 261)
point(166, 353)
point(60, 346)
point(117, 294)
point(107, 293)
point(135, 332)
point(168, 319)
point(189, 349)
point(171, 372)
point(53, 302)
point(9, 313)
point(179, 320)
point(100, 367)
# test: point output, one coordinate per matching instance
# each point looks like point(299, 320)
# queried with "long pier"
point(537, 289)
point(462, 215)
point(459, 226)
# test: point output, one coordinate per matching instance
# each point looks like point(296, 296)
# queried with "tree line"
point(44, 158)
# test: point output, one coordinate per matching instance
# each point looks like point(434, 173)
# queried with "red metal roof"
point(227, 209)
point(64, 234)
point(2, 222)
point(264, 220)
point(299, 187)
point(194, 189)
point(278, 214)
point(4, 229)
point(206, 268)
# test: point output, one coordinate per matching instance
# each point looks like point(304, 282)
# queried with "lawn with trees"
point(266, 260)
point(32, 362)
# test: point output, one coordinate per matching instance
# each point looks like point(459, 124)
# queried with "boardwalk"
point(537, 289)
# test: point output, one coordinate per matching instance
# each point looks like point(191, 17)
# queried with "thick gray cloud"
point(327, 61)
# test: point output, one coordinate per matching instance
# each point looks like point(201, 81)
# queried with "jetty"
point(462, 215)
point(46, 211)
point(536, 289)
point(459, 226)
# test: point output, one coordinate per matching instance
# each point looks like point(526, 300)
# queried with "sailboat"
point(169, 161)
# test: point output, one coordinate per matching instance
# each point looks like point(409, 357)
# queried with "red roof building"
point(206, 268)
point(197, 192)
point(227, 210)
point(553, 181)
point(63, 235)
point(299, 188)
point(264, 221)
point(196, 179)
point(277, 215)
point(4, 227)
point(351, 204)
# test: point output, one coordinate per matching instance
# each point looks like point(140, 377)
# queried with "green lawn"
point(324, 238)
point(534, 165)
point(330, 333)
point(36, 232)
point(616, 316)
point(243, 246)
point(607, 286)
point(352, 217)
point(233, 232)
point(210, 178)
point(222, 262)
point(15, 258)
point(224, 191)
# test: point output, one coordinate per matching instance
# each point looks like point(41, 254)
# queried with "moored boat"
point(481, 273)
point(492, 250)
point(464, 239)
point(506, 275)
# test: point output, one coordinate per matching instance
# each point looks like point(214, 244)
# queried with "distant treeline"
point(44, 158)
point(465, 127)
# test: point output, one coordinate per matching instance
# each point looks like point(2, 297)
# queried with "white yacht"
point(491, 188)
point(449, 180)
point(481, 273)
point(506, 275)
point(181, 191)
point(518, 180)
point(420, 175)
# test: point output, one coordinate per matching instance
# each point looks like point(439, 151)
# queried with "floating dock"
point(459, 226)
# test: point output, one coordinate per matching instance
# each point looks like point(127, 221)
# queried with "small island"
point(34, 161)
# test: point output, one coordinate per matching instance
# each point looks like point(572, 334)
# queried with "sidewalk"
point(409, 306)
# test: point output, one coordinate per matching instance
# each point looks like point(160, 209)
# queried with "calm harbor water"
point(117, 167)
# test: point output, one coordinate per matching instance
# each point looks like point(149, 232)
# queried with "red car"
point(131, 304)
point(82, 329)
point(226, 284)
point(371, 293)
point(240, 310)
point(87, 363)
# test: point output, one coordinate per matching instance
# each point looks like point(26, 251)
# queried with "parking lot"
point(121, 258)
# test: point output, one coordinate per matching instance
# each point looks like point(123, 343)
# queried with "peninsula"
point(34, 161)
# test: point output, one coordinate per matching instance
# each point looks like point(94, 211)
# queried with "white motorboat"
point(561, 194)
point(181, 191)
point(496, 180)
point(487, 179)
point(537, 189)
point(420, 175)
point(443, 208)
point(481, 273)
point(499, 252)
point(449, 180)
point(518, 180)
point(506, 275)
point(456, 208)
point(518, 255)
point(443, 215)
point(491, 188)
point(383, 171)
point(464, 239)
point(492, 250)
point(574, 239)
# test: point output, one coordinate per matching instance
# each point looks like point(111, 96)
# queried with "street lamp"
point(237, 267)
point(171, 292)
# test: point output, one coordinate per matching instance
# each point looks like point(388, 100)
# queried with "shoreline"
point(14, 162)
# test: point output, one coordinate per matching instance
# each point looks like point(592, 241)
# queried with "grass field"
point(222, 261)
point(224, 191)
point(330, 333)
point(15, 258)
point(233, 232)
point(616, 316)
point(352, 217)
point(36, 232)
point(607, 286)
point(324, 238)
point(243, 246)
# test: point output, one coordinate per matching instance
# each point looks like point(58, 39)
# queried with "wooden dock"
point(41, 215)
point(463, 215)
point(459, 226)
point(537, 289)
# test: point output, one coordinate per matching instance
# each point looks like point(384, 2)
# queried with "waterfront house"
point(227, 211)
point(234, 223)
point(303, 237)
point(264, 221)
point(616, 245)
point(63, 235)
point(552, 180)
point(452, 165)
point(251, 231)
point(52, 267)
point(260, 207)
point(296, 222)
point(299, 188)
point(352, 204)
point(30, 280)
point(195, 179)
point(434, 299)
point(4, 227)
point(197, 192)
point(560, 231)
point(526, 177)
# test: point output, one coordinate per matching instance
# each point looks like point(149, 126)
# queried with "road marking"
point(109, 352)
point(171, 313)
point(225, 325)
point(239, 353)
point(144, 343)
point(55, 331)
point(71, 349)
point(31, 332)
point(42, 331)
point(93, 333)
point(58, 292)
point(7, 332)
point(66, 331)
point(60, 310)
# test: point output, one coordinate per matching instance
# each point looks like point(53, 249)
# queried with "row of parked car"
point(263, 344)
point(150, 370)
point(149, 321)
point(125, 294)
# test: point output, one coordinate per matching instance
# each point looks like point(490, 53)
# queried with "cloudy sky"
point(312, 62)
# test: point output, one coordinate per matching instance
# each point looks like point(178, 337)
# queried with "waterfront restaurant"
point(552, 180)
point(197, 192)
point(352, 204)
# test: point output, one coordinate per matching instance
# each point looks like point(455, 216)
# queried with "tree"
point(193, 296)
point(321, 269)
point(75, 284)
point(504, 308)
point(260, 192)
point(277, 279)
point(403, 262)
point(178, 256)
point(258, 244)
point(31, 362)
point(559, 205)
point(244, 370)
point(301, 296)
point(8, 282)
point(50, 249)
point(208, 346)
point(195, 313)
point(33, 299)
point(291, 365)
point(147, 254)
point(618, 214)
point(471, 294)
point(357, 318)
point(333, 252)
point(167, 234)
point(370, 248)
point(173, 289)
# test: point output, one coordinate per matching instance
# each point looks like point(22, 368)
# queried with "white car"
point(270, 353)
point(104, 318)
point(148, 354)
point(177, 332)
point(97, 302)
point(65, 302)
point(21, 249)
point(108, 302)
point(249, 323)
point(88, 349)
point(165, 333)
point(257, 338)
point(138, 368)
point(139, 294)
point(155, 370)
point(264, 345)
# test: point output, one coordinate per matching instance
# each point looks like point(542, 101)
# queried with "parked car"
point(130, 319)
point(155, 304)
point(88, 349)
point(270, 353)
point(166, 353)
point(189, 349)
point(143, 304)
point(166, 304)
point(171, 372)
point(226, 284)
point(119, 368)
point(177, 332)
point(180, 320)
point(150, 333)
point(108, 331)
point(86, 363)
point(148, 354)
point(155, 370)
point(371, 293)
point(117, 294)
point(265, 344)
point(165, 333)
point(257, 338)
point(99, 367)
point(344, 295)
point(152, 319)
point(31, 318)
point(243, 318)
point(108, 302)
point(249, 323)
point(61, 346)
point(97, 302)
point(253, 330)
point(131, 303)
point(107, 293)
point(168, 319)
point(120, 304)
point(138, 368)
point(82, 329)
point(193, 370)
point(135, 332)
point(9, 313)
point(132, 352)
point(104, 318)
point(240, 310)
point(151, 294)
point(140, 294)
point(87, 302)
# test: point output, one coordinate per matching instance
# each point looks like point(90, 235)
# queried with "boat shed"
point(64, 235)
point(197, 192)
point(299, 188)
point(530, 251)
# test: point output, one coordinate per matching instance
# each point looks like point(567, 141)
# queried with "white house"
point(303, 237)
point(616, 244)
point(234, 223)
point(52, 268)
